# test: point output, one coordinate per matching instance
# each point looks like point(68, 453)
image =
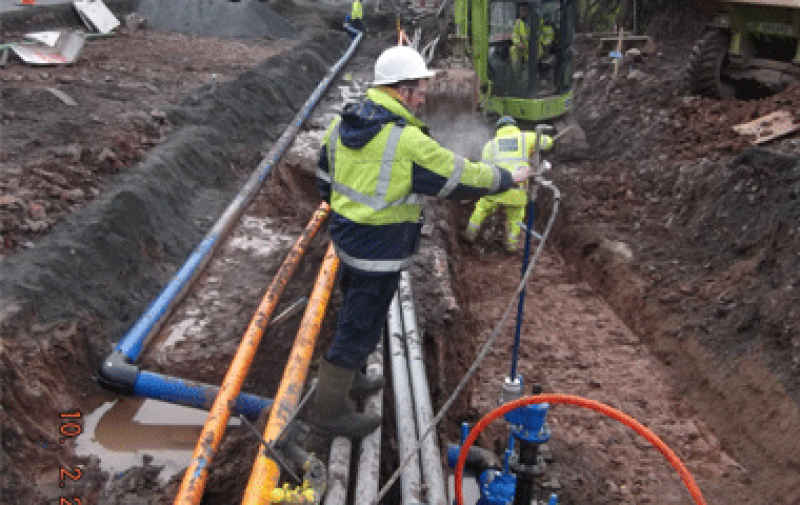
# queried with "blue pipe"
point(531, 210)
point(132, 344)
point(120, 376)
point(135, 341)
point(118, 372)
point(193, 394)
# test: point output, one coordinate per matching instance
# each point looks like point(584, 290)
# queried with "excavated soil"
point(669, 290)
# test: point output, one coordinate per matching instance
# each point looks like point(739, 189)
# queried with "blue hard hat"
point(505, 121)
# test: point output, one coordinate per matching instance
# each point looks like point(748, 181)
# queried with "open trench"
point(572, 341)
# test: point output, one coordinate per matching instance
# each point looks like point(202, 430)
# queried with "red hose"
point(625, 419)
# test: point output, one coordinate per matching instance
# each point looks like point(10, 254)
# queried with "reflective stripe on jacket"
point(375, 162)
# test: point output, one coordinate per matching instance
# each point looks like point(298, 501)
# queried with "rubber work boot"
point(364, 385)
point(471, 233)
point(333, 412)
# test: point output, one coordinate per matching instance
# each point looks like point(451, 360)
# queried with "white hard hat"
point(400, 63)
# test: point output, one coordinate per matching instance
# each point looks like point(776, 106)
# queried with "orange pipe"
point(625, 419)
point(265, 474)
point(194, 480)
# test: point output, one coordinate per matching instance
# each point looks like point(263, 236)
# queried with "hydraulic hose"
point(602, 408)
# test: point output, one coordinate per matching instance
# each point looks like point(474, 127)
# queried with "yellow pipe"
point(265, 474)
point(194, 480)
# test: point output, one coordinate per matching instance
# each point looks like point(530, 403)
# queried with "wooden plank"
point(769, 127)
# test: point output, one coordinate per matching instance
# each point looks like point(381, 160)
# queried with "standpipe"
point(266, 473)
point(194, 480)
point(602, 408)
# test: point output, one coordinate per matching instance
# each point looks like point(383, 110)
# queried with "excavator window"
point(529, 47)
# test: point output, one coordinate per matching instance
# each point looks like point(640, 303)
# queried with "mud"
point(668, 290)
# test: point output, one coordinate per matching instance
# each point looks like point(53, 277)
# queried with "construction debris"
point(65, 50)
point(62, 96)
point(96, 16)
point(768, 127)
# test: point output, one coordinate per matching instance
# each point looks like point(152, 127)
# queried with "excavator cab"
point(522, 52)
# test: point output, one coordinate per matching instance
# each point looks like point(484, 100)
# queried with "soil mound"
point(212, 18)
point(134, 236)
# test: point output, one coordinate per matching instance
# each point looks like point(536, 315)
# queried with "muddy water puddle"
point(122, 431)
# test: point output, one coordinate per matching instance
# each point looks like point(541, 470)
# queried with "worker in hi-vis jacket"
point(510, 148)
point(376, 160)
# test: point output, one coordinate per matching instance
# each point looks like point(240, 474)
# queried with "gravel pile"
point(216, 18)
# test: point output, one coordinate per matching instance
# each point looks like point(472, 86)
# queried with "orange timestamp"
point(71, 426)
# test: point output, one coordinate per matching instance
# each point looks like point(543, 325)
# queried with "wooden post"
point(618, 61)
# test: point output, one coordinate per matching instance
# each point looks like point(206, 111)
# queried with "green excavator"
point(751, 49)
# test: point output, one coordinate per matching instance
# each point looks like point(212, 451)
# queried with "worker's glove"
point(523, 173)
point(544, 167)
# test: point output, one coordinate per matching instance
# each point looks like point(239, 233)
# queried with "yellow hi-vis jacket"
point(510, 148)
point(357, 12)
point(376, 162)
point(522, 34)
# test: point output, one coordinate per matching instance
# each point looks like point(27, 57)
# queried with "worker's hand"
point(523, 173)
point(544, 166)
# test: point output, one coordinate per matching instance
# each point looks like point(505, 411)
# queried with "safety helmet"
point(400, 63)
point(505, 121)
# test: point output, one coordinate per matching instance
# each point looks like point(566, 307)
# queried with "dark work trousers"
point(365, 303)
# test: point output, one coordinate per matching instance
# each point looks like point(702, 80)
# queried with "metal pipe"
point(265, 474)
point(411, 482)
point(191, 490)
point(148, 325)
point(370, 456)
point(429, 450)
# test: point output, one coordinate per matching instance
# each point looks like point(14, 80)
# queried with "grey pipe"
point(338, 471)
point(429, 450)
point(404, 409)
point(370, 457)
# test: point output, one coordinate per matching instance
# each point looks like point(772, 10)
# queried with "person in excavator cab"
point(522, 34)
point(509, 148)
point(377, 159)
